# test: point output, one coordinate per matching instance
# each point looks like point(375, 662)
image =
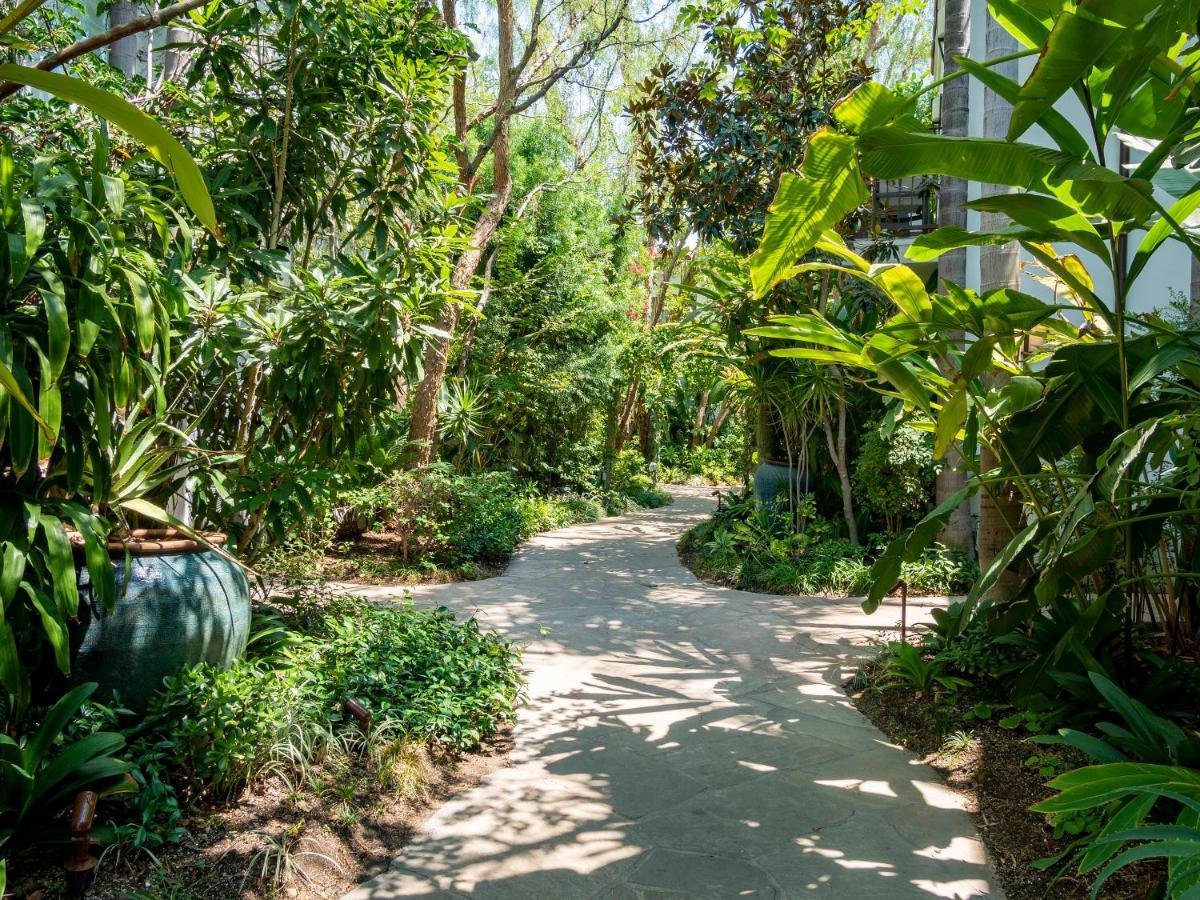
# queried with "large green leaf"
point(930, 246)
point(124, 115)
point(1054, 123)
point(908, 547)
point(828, 187)
point(37, 748)
point(1085, 187)
point(13, 380)
point(1082, 36)
point(61, 561)
point(1090, 786)
point(949, 421)
point(869, 106)
point(1179, 213)
point(1028, 21)
point(58, 325)
point(95, 544)
point(1045, 215)
point(810, 328)
point(998, 564)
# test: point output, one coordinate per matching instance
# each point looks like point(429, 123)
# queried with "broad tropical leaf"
point(124, 115)
point(828, 186)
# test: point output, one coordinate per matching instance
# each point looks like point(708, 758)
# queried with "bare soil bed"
point(312, 842)
point(987, 765)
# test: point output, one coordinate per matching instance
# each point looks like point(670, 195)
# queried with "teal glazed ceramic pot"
point(773, 481)
point(179, 603)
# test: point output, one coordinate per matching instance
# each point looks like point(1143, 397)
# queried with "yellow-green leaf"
point(950, 419)
point(124, 115)
point(828, 186)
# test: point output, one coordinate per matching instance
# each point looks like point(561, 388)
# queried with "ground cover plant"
point(744, 547)
point(277, 722)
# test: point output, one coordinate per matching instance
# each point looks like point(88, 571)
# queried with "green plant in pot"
point(86, 304)
point(180, 598)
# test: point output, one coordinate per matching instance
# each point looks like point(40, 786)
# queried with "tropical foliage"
point(1066, 398)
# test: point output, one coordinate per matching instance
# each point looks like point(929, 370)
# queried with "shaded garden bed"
point(1000, 774)
point(346, 824)
point(299, 770)
point(741, 548)
point(375, 558)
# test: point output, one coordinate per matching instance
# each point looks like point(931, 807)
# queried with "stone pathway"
point(683, 740)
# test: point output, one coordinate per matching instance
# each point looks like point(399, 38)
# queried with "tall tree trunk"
point(999, 267)
point(177, 58)
point(701, 417)
point(837, 454)
point(423, 430)
point(468, 341)
point(718, 423)
point(952, 266)
point(123, 53)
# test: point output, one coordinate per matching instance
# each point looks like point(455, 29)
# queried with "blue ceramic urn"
point(179, 603)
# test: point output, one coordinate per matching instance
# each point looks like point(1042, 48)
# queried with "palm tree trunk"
point(1000, 510)
point(123, 53)
point(952, 266)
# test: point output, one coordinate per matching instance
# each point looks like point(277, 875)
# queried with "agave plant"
point(463, 416)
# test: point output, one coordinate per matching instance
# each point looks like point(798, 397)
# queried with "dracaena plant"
point(1089, 409)
point(85, 333)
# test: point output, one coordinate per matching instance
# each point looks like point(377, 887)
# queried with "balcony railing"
point(901, 207)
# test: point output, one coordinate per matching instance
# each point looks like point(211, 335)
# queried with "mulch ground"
point(339, 829)
point(375, 558)
point(986, 764)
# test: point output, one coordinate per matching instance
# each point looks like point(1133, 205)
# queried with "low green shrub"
point(976, 653)
point(908, 667)
point(893, 475)
point(631, 478)
point(744, 547)
point(485, 520)
point(643, 492)
point(449, 520)
point(720, 464)
point(540, 514)
point(443, 682)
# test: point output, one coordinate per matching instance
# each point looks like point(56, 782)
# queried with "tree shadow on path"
point(684, 740)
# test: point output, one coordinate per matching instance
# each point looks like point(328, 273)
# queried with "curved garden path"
point(683, 740)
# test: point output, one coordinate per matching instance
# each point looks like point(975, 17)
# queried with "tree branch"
point(103, 39)
point(586, 49)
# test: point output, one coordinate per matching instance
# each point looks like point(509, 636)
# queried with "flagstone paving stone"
point(683, 740)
